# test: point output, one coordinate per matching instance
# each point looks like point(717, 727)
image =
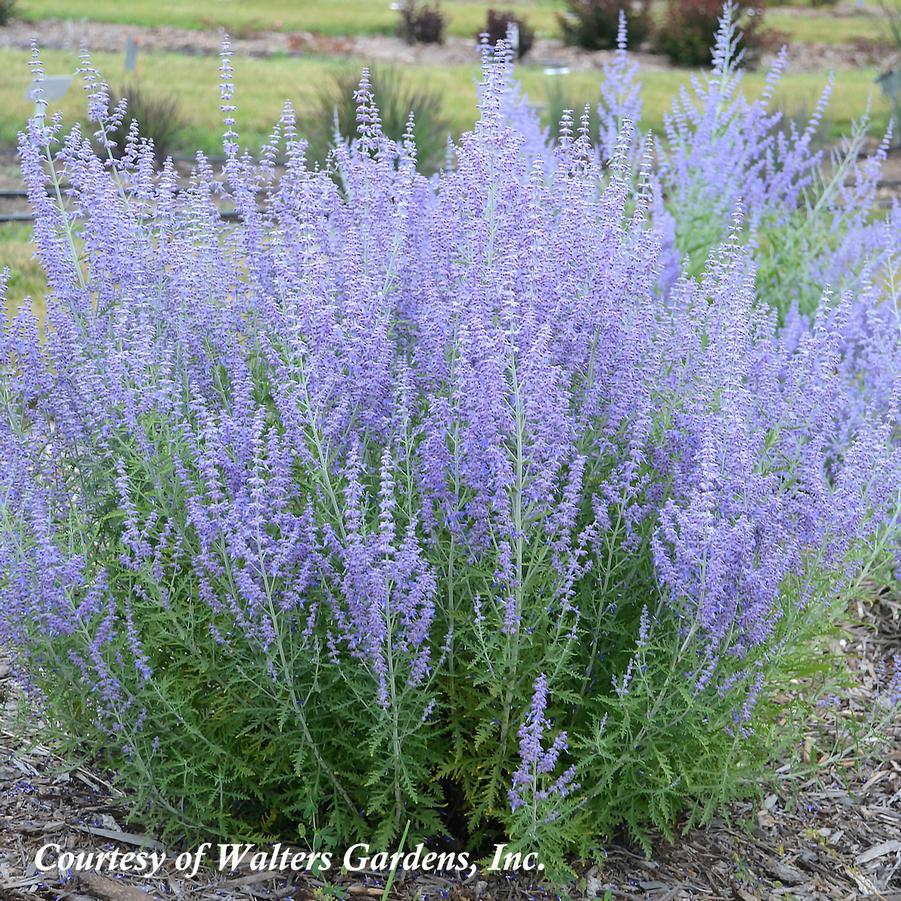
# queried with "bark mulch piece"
point(832, 831)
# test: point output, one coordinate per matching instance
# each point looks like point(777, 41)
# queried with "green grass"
point(465, 18)
point(826, 28)
point(27, 277)
point(263, 85)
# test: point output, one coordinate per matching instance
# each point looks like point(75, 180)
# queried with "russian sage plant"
point(470, 499)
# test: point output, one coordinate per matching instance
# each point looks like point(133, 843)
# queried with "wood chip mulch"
point(828, 830)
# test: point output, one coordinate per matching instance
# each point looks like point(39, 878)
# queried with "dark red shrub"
point(497, 26)
point(421, 23)
point(688, 32)
point(594, 24)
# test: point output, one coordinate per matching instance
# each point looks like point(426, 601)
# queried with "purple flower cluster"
point(412, 452)
point(536, 761)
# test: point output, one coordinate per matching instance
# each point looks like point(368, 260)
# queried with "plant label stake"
point(131, 54)
point(47, 90)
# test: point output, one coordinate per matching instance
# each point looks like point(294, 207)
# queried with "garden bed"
point(831, 829)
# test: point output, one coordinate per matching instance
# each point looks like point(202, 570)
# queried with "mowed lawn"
point(264, 84)
point(26, 278)
point(339, 17)
point(465, 18)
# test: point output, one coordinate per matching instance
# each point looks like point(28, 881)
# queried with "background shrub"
point(686, 34)
point(335, 107)
point(7, 11)
point(497, 25)
point(421, 22)
point(594, 24)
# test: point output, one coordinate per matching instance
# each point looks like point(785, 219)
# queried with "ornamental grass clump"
point(331, 118)
point(432, 501)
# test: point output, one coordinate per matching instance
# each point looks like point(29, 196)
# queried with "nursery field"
point(464, 17)
point(498, 502)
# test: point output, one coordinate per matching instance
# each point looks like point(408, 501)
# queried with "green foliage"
point(7, 11)
point(787, 242)
point(250, 746)
point(668, 751)
point(698, 230)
